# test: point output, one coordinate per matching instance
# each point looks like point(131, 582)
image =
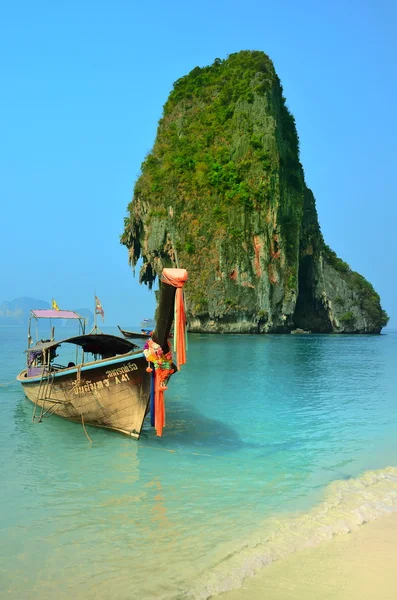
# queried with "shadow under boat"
point(110, 390)
point(190, 431)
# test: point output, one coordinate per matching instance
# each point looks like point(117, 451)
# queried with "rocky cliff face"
point(223, 195)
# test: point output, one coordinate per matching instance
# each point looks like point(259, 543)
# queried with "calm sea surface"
point(272, 444)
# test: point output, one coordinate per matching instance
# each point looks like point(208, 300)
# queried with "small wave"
point(347, 505)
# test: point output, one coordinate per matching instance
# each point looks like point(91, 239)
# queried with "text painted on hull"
point(118, 376)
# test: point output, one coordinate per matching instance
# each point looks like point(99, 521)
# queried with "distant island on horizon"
point(16, 312)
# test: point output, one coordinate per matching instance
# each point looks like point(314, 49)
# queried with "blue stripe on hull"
point(88, 367)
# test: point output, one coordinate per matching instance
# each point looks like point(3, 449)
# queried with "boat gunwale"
point(95, 364)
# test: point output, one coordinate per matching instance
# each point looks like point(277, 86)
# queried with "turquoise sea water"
point(267, 447)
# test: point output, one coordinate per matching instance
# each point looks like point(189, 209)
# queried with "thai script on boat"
point(90, 386)
point(122, 370)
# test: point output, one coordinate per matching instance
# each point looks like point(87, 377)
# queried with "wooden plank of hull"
point(111, 396)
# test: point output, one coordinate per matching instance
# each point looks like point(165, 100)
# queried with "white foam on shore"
point(347, 505)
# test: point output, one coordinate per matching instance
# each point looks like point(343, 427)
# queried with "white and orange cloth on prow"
point(178, 278)
point(162, 362)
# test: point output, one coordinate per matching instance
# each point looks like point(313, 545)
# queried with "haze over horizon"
point(83, 90)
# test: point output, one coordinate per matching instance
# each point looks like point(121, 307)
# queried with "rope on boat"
point(85, 431)
point(187, 453)
point(7, 383)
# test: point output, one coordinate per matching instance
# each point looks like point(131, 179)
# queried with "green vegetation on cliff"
point(223, 193)
point(215, 153)
point(197, 150)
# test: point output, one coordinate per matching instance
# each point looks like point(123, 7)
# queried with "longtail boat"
point(143, 333)
point(115, 387)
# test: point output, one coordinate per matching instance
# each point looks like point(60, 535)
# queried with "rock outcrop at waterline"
point(223, 194)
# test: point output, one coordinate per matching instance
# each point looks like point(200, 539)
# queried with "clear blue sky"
point(83, 84)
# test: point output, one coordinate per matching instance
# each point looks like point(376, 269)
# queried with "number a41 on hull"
point(110, 382)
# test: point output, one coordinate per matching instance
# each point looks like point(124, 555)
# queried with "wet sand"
point(361, 565)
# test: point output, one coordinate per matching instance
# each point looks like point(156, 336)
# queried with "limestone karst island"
point(223, 194)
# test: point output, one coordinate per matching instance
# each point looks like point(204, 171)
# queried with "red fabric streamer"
point(160, 377)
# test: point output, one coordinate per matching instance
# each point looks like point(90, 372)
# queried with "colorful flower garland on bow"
point(163, 368)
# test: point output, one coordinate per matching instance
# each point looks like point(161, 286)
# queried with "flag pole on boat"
point(98, 310)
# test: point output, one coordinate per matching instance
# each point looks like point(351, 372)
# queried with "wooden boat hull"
point(110, 393)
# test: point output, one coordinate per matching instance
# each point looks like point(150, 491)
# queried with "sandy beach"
point(356, 566)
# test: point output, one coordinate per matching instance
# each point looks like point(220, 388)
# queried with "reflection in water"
point(161, 526)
